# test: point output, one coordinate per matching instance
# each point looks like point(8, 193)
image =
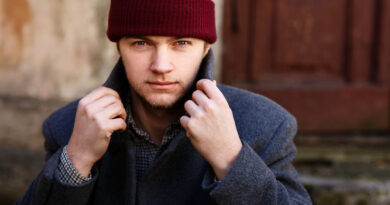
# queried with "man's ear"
point(207, 47)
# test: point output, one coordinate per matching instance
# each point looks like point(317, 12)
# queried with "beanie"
point(180, 18)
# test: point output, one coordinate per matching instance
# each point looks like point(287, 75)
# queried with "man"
point(160, 130)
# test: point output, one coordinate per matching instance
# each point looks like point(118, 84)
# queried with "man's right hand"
point(98, 115)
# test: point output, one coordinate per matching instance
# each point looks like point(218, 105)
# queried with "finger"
point(116, 124)
point(184, 120)
point(97, 94)
point(215, 82)
point(191, 108)
point(112, 111)
point(200, 98)
point(209, 88)
point(101, 103)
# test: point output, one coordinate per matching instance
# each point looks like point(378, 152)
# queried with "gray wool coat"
point(262, 173)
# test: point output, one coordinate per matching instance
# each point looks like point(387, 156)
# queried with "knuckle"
point(206, 82)
point(221, 102)
point(209, 107)
point(102, 88)
point(108, 135)
point(111, 92)
point(88, 111)
point(190, 124)
point(82, 103)
point(115, 95)
point(113, 105)
point(111, 98)
point(187, 103)
point(196, 93)
point(107, 91)
point(202, 81)
point(123, 124)
point(121, 104)
point(123, 111)
point(94, 118)
point(101, 124)
point(199, 115)
point(117, 106)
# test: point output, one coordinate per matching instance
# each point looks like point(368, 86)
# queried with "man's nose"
point(161, 61)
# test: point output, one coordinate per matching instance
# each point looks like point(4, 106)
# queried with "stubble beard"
point(179, 102)
point(153, 105)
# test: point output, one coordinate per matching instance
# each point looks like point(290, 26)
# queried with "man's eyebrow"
point(139, 37)
point(181, 37)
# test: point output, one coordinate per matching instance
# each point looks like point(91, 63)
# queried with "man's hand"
point(98, 115)
point(211, 127)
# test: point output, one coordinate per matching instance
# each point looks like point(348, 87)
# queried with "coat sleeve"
point(262, 175)
point(46, 189)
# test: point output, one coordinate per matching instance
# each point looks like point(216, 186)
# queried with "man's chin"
point(161, 104)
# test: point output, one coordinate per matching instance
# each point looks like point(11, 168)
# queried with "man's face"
point(159, 69)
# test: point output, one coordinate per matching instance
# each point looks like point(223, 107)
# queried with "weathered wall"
point(53, 49)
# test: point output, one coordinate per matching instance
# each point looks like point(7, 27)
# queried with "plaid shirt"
point(146, 151)
point(67, 173)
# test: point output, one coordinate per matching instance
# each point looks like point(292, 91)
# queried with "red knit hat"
point(181, 18)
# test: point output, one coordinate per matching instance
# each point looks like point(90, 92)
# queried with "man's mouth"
point(162, 85)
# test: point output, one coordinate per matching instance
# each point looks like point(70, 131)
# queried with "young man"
point(160, 130)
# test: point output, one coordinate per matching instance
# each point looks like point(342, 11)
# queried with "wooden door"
point(326, 61)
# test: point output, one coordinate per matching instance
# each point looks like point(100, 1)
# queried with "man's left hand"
point(211, 128)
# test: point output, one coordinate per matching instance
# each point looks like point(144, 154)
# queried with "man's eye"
point(140, 43)
point(182, 43)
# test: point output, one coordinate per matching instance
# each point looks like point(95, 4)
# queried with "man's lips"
point(162, 85)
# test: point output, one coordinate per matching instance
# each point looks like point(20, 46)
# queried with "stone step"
point(345, 170)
